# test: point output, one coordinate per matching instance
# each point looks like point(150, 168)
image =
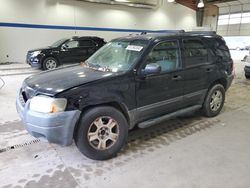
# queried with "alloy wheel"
point(216, 100)
point(103, 133)
point(50, 64)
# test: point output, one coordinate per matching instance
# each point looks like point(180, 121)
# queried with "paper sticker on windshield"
point(134, 48)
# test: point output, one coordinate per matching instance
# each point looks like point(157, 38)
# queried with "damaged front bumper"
point(55, 127)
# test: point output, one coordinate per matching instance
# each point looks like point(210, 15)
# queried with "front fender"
point(118, 92)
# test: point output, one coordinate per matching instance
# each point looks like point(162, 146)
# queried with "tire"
point(214, 101)
point(95, 142)
point(247, 76)
point(49, 63)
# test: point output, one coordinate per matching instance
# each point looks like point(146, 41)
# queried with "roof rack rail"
point(170, 31)
point(202, 32)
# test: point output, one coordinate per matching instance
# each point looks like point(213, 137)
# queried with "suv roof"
point(87, 37)
point(171, 33)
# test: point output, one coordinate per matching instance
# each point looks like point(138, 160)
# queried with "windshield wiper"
point(95, 67)
point(85, 64)
point(90, 65)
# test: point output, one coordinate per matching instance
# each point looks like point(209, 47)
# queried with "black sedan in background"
point(73, 50)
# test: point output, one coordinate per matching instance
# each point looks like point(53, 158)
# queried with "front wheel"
point(50, 63)
point(214, 101)
point(101, 133)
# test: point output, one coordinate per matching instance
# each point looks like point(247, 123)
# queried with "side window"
point(165, 54)
point(87, 43)
point(195, 52)
point(72, 44)
point(220, 48)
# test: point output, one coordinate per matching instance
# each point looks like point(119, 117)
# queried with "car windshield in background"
point(58, 43)
point(117, 56)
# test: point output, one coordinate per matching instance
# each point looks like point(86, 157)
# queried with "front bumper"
point(35, 65)
point(247, 70)
point(55, 127)
point(34, 62)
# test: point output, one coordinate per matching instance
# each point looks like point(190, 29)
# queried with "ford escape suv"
point(131, 81)
point(73, 50)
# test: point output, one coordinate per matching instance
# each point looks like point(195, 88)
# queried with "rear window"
point(99, 41)
point(220, 48)
point(87, 43)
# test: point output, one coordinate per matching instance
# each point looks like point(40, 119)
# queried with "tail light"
point(232, 68)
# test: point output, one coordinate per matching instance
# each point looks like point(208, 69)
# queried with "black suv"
point(72, 50)
point(132, 81)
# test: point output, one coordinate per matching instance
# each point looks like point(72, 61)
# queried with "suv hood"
point(40, 49)
point(56, 81)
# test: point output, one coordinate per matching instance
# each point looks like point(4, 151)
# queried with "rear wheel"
point(101, 133)
point(247, 76)
point(50, 63)
point(214, 101)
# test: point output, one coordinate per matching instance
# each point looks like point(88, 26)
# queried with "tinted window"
point(220, 48)
point(72, 44)
point(165, 54)
point(100, 41)
point(87, 43)
point(195, 52)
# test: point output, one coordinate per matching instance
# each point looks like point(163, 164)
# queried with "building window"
point(235, 18)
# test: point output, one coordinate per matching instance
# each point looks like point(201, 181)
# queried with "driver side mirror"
point(151, 69)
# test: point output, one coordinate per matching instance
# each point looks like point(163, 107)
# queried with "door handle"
point(176, 77)
point(209, 70)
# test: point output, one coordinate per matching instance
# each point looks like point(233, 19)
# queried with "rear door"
point(198, 66)
point(86, 48)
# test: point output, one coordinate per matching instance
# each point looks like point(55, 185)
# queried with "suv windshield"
point(58, 43)
point(117, 56)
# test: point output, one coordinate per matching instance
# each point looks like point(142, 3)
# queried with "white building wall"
point(15, 41)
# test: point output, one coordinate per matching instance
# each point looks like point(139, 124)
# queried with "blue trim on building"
point(39, 26)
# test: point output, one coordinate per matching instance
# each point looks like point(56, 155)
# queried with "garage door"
point(234, 18)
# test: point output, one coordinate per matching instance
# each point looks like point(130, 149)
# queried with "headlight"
point(47, 104)
point(35, 53)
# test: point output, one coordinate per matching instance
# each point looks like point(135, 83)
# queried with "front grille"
point(26, 93)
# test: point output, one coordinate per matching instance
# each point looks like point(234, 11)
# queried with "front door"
point(162, 93)
point(69, 52)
